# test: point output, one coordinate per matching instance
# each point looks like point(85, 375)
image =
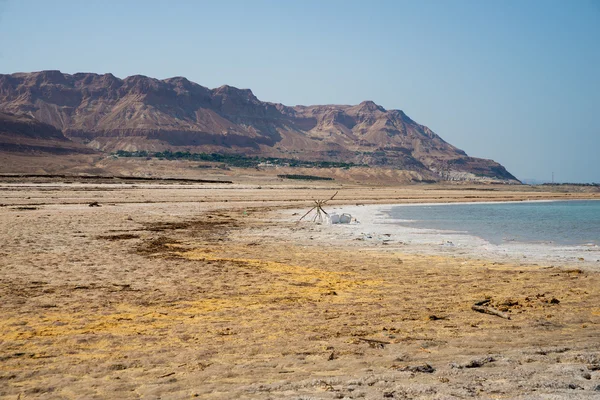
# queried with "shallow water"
point(575, 222)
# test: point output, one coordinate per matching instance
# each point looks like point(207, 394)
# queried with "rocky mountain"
point(141, 113)
point(24, 134)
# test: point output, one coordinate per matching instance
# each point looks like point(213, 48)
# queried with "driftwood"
point(319, 214)
point(489, 310)
point(374, 343)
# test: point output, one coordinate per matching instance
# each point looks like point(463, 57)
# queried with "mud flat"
point(201, 290)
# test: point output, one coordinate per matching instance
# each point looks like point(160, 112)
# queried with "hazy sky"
point(515, 81)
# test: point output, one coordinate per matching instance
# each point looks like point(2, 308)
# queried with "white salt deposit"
point(377, 228)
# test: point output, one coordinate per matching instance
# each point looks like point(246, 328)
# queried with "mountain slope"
point(24, 134)
point(141, 113)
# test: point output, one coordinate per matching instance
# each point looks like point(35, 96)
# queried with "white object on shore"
point(340, 219)
point(334, 219)
point(345, 218)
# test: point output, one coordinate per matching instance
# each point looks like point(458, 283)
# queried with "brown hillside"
point(141, 113)
point(24, 134)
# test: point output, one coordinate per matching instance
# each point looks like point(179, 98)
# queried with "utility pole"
point(552, 176)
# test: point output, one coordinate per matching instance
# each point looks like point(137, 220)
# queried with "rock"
point(586, 375)
point(425, 368)
point(477, 363)
point(435, 318)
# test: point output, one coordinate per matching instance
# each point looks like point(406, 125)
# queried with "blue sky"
point(515, 81)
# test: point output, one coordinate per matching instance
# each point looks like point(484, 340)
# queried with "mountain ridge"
point(142, 113)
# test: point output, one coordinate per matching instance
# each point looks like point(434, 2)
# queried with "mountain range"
point(138, 113)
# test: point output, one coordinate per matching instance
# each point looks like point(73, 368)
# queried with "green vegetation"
point(123, 153)
point(236, 160)
point(306, 177)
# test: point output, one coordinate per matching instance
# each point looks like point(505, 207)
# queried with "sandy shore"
point(179, 291)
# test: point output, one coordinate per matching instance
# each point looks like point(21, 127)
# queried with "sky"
point(514, 81)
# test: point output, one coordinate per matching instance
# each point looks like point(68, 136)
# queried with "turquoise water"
point(556, 222)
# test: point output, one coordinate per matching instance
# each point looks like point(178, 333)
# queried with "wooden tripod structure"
point(320, 213)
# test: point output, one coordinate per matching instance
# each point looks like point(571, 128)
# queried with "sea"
point(558, 223)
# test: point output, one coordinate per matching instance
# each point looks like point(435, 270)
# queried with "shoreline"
point(485, 202)
point(375, 226)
